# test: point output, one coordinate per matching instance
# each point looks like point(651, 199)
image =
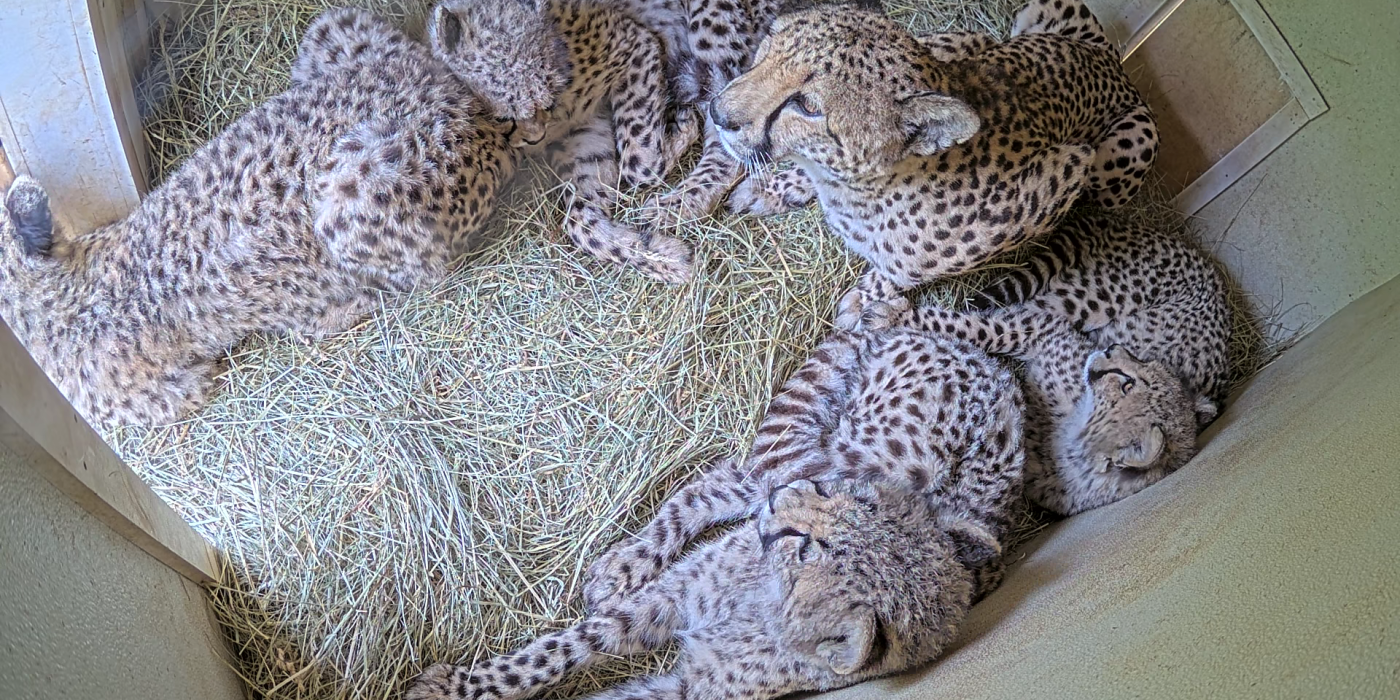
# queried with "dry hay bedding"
point(430, 485)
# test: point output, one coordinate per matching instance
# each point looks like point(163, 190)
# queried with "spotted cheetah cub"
point(1121, 349)
point(870, 511)
point(929, 156)
point(923, 411)
point(606, 128)
point(829, 584)
point(371, 171)
point(1121, 282)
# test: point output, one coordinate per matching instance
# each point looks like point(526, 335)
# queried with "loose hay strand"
point(429, 486)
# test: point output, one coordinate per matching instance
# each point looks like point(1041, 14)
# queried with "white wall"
point(85, 614)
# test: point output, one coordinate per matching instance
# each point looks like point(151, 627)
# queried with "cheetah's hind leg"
point(721, 494)
point(589, 163)
point(1123, 158)
point(1068, 18)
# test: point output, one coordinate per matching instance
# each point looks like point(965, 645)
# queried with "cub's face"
point(868, 583)
point(1139, 416)
point(510, 53)
point(841, 89)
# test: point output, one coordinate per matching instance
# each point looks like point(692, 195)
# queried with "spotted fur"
point(708, 43)
point(827, 585)
point(922, 411)
point(606, 130)
point(1121, 282)
point(929, 156)
point(371, 171)
point(1101, 424)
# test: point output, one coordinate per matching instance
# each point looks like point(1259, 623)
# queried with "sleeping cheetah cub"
point(930, 156)
point(830, 584)
point(371, 170)
point(611, 111)
point(1102, 424)
point(871, 505)
point(923, 411)
point(1120, 282)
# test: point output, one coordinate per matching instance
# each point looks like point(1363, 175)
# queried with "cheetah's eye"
point(804, 105)
point(1128, 386)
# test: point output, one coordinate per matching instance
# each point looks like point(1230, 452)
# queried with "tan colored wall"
point(1318, 223)
point(85, 614)
point(1266, 568)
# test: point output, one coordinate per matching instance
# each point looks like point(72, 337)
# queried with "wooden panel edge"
point(1292, 70)
point(1242, 158)
point(1142, 32)
point(39, 425)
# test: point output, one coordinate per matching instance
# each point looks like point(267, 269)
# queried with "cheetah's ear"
point(933, 122)
point(848, 644)
point(1206, 411)
point(1144, 453)
point(974, 546)
point(444, 30)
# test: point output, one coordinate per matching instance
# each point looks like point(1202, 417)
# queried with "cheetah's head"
point(844, 92)
point(511, 54)
point(870, 582)
point(1135, 424)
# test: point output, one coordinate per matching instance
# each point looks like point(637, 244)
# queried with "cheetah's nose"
point(721, 120)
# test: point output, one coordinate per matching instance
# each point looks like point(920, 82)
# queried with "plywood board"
point(1210, 82)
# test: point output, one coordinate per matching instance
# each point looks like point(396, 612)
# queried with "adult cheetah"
point(931, 156)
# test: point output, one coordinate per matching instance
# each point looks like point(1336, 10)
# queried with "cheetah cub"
point(371, 171)
point(829, 584)
point(1121, 282)
point(1122, 349)
point(922, 411)
point(929, 156)
point(610, 113)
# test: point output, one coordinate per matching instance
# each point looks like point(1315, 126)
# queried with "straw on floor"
point(430, 485)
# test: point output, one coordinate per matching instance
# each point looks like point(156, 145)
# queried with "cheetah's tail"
point(1068, 18)
point(1061, 251)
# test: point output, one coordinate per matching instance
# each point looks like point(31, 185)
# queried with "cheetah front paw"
point(677, 208)
point(752, 196)
point(861, 312)
point(665, 259)
point(435, 683)
point(617, 574)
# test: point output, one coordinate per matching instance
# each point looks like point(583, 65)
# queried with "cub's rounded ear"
point(1145, 452)
point(974, 546)
point(848, 643)
point(933, 122)
point(444, 30)
point(1206, 411)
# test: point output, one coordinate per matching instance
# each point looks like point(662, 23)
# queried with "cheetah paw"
point(857, 313)
point(435, 683)
point(674, 209)
point(27, 204)
point(666, 259)
point(751, 196)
